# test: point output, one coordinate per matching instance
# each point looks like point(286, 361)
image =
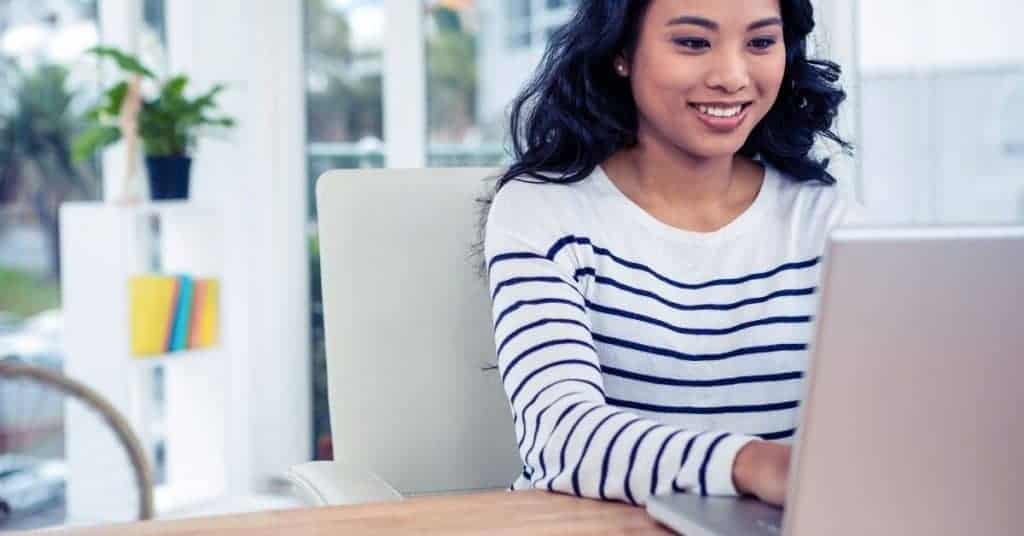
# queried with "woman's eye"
point(693, 43)
point(762, 43)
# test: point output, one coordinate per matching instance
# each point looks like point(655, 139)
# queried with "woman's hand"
point(761, 469)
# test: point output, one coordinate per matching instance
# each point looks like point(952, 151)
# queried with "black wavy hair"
point(576, 112)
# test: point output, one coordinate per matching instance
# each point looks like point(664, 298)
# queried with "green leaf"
point(126, 62)
point(207, 99)
point(169, 123)
point(87, 143)
point(174, 88)
point(115, 98)
point(225, 122)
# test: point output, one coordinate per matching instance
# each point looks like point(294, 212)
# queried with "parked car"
point(29, 485)
point(36, 340)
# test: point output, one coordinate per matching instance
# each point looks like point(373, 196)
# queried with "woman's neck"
point(701, 194)
point(673, 176)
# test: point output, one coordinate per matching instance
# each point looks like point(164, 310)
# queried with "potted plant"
point(168, 123)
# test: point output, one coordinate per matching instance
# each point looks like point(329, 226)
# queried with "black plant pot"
point(168, 176)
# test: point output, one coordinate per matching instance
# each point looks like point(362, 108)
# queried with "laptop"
point(911, 422)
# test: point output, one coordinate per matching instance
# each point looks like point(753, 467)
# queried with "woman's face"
point(706, 72)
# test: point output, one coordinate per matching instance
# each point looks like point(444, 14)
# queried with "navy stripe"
point(536, 426)
point(523, 280)
point(696, 331)
point(561, 244)
point(603, 280)
point(543, 465)
point(512, 256)
point(753, 350)
point(703, 475)
point(632, 462)
point(515, 415)
point(583, 454)
point(608, 455)
point(774, 436)
point(522, 303)
point(565, 444)
point(548, 344)
point(565, 241)
point(657, 460)
point(766, 378)
point(522, 384)
point(538, 324)
point(582, 272)
point(682, 462)
point(542, 391)
point(712, 410)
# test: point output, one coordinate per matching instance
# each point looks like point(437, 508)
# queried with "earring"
point(621, 68)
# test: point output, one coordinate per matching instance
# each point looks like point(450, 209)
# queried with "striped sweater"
point(639, 358)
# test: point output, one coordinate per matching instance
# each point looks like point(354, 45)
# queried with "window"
point(473, 74)
point(344, 70)
point(344, 108)
point(45, 86)
point(41, 80)
point(1009, 116)
point(519, 21)
point(941, 108)
point(529, 23)
point(153, 34)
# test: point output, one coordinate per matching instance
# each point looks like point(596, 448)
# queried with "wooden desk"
point(525, 512)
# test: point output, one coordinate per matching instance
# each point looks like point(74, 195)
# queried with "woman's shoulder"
point(814, 201)
point(529, 203)
point(527, 214)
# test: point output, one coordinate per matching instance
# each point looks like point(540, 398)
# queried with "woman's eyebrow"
point(713, 26)
point(696, 21)
point(771, 21)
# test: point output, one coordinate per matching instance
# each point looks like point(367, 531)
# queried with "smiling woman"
point(654, 248)
point(727, 76)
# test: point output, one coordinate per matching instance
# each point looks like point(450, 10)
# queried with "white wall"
point(937, 82)
point(258, 179)
point(914, 35)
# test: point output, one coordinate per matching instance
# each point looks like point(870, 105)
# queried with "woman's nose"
point(729, 73)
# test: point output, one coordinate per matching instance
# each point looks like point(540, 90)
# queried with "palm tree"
point(35, 149)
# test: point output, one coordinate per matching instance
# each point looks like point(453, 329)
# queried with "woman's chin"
point(713, 149)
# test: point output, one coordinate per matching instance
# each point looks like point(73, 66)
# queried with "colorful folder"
point(152, 298)
point(172, 313)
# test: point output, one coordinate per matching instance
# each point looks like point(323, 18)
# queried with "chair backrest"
point(408, 331)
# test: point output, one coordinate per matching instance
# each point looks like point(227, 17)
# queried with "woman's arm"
point(569, 438)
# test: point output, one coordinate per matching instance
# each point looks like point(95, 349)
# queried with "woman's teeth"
point(716, 111)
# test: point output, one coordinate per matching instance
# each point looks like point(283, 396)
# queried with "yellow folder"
point(209, 321)
point(152, 299)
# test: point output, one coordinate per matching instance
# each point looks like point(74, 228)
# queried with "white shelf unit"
point(102, 245)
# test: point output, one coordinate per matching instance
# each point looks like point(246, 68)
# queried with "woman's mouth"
point(722, 117)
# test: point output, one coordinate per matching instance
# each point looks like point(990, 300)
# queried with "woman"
point(654, 249)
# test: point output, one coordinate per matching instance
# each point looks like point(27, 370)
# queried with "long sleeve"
point(570, 439)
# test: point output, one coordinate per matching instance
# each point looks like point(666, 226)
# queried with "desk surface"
point(526, 512)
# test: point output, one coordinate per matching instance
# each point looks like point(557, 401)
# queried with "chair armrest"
point(337, 483)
